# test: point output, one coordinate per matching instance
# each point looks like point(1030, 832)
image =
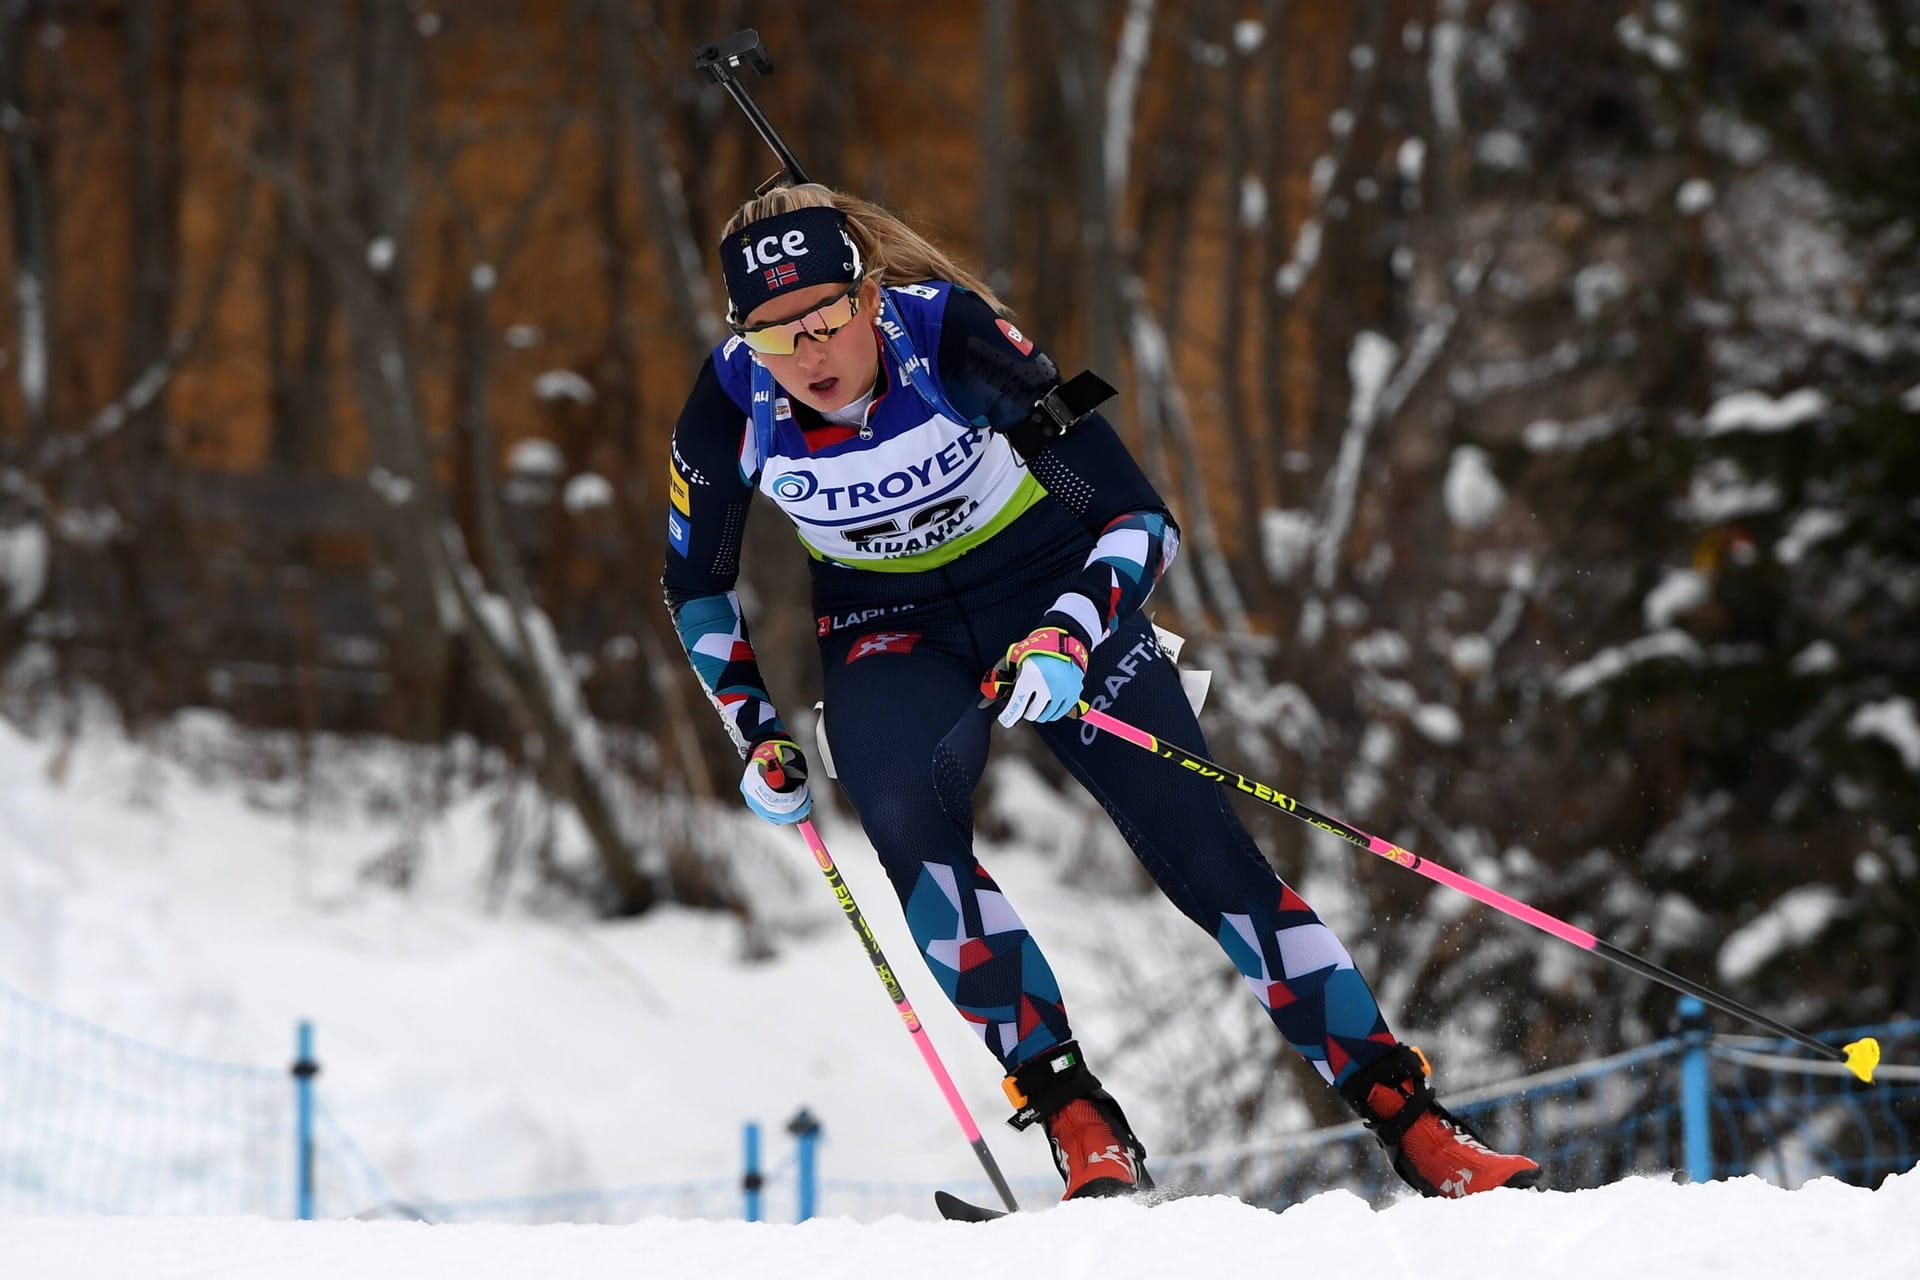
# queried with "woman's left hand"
point(1048, 669)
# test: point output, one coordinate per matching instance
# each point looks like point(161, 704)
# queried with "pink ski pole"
point(1861, 1056)
point(899, 997)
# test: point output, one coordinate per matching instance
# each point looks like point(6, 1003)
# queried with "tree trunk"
point(30, 204)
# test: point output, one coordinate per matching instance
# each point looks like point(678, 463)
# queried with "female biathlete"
point(963, 513)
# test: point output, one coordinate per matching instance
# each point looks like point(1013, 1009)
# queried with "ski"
point(954, 1209)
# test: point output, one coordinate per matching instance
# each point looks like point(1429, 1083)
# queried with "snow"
point(588, 491)
point(1502, 150)
point(1548, 436)
point(1123, 92)
point(1290, 277)
point(476, 1046)
point(1253, 202)
point(1695, 196)
point(30, 315)
point(1438, 723)
point(1679, 592)
point(380, 253)
point(562, 384)
point(1286, 539)
point(536, 457)
point(1380, 650)
point(1369, 364)
point(1757, 411)
point(23, 567)
point(1817, 658)
point(1411, 159)
point(1609, 664)
point(1597, 285)
point(1892, 721)
point(1661, 50)
point(1741, 1228)
point(1473, 493)
point(1796, 917)
point(1811, 526)
point(396, 490)
point(1471, 655)
point(1721, 491)
point(1443, 74)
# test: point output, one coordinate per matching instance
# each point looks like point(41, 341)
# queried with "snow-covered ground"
point(474, 1049)
point(186, 892)
point(1635, 1230)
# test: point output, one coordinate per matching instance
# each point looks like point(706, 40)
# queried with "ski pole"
point(899, 997)
point(720, 62)
point(1861, 1056)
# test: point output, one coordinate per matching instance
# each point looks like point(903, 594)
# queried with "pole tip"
point(1862, 1057)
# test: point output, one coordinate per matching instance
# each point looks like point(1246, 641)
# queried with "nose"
point(810, 353)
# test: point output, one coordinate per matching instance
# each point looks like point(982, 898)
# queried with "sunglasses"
point(782, 337)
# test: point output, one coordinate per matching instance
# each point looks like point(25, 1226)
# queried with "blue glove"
point(1048, 670)
point(775, 783)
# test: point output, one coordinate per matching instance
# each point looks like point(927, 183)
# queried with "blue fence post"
point(1696, 1091)
point(751, 1181)
point(304, 1070)
point(806, 1131)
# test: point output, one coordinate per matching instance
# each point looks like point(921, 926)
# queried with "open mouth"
point(824, 387)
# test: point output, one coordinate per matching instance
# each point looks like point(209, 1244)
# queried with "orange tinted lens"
point(822, 322)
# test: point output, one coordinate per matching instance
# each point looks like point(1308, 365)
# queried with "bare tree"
point(31, 206)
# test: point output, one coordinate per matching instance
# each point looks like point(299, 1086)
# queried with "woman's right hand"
point(775, 783)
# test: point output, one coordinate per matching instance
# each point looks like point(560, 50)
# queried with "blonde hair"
point(894, 253)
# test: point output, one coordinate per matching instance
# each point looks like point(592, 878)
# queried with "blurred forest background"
point(1537, 385)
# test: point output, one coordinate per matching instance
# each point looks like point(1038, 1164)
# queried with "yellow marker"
point(1862, 1057)
point(677, 489)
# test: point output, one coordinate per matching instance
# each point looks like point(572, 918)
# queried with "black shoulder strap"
point(1055, 413)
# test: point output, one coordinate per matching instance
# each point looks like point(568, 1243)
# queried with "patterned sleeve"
point(995, 374)
point(708, 499)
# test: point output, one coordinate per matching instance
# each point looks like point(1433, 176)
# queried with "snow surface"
point(474, 1048)
point(1639, 1229)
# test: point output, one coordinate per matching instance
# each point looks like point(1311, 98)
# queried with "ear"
point(870, 298)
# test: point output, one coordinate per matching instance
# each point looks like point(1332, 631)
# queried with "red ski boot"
point(1093, 1145)
point(1436, 1153)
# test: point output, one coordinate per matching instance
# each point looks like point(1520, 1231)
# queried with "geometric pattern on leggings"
point(987, 963)
point(1309, 986)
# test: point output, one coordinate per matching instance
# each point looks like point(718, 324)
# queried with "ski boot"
point(1432, 1150)
point(1092, 1143)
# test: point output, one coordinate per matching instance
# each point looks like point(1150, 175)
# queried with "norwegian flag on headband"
point(797, 249)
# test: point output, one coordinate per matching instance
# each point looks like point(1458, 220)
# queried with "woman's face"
point(824, 373)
